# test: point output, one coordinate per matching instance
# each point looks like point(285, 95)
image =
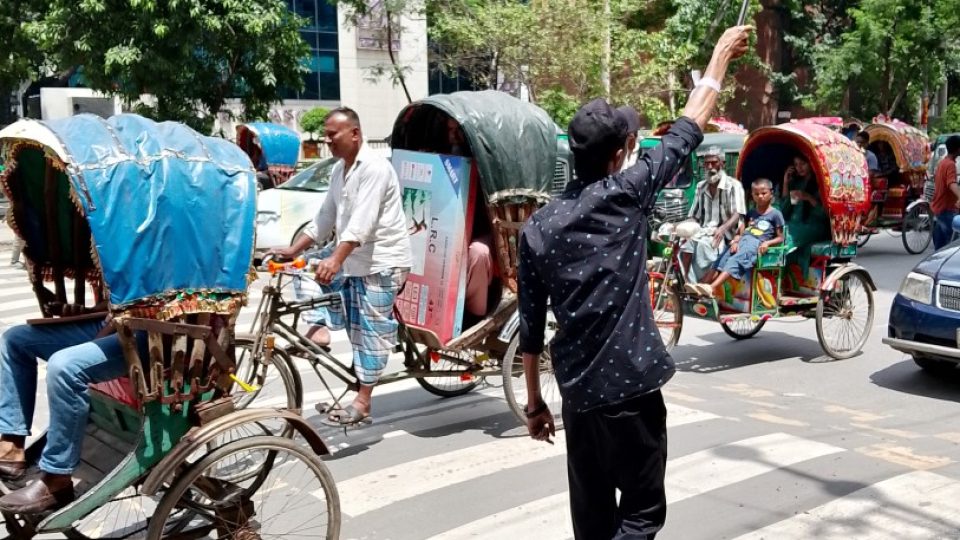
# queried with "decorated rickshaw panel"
point(840, 166)
point(910, 146)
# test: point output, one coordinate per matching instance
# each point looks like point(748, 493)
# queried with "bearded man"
point(718, 207)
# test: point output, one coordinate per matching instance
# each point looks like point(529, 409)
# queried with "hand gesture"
point(542, 426)
point(763, 248)
point(326, 270)
point(788, 174)
point(734, 246)
point(735, 42)
point(718, 237)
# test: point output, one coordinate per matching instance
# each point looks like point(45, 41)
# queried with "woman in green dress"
point(807, 220)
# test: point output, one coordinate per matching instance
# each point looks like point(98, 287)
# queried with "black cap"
point(597, 127)
point(631, 116)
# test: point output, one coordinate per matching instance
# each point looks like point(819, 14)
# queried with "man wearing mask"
point(718, 206)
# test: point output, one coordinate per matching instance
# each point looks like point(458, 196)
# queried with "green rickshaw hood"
point(514, 143)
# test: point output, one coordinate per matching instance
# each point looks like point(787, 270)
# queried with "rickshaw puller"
point(364, 207)
point(946, 194)
point(583, 255)
point(77, 354)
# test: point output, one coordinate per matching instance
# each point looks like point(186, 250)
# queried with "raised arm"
point(733, 44)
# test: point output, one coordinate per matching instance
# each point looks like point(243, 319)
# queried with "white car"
point(284, 211)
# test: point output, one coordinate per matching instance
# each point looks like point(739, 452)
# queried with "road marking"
point(892, 432)
point(905, 456)
point(680, 396)
point(710, 469)
point(746, 390)
point(855, 415)
point(548, 517)
point(678, 415)
point(687, 476)
point(914, 505)
point(765, 416)
point(369, 492)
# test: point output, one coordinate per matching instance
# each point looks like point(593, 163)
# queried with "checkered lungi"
point(367, 315)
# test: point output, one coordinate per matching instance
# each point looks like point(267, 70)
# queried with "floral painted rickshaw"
point(159, 221)
point(273, 149)
point(827, 286)
point(899, 204)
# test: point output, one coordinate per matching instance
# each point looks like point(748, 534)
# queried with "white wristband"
point(709, 82)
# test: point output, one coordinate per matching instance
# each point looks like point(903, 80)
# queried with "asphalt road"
point(768, 439)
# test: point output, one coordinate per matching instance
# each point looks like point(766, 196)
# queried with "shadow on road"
point(908, 378)
point(725, 353)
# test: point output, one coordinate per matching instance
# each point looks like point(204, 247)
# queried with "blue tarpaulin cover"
point(170, 210)
point(280, 144)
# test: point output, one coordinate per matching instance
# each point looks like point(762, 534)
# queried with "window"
point(320, 34)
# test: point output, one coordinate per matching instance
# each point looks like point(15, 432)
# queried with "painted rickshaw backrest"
point(840, 166)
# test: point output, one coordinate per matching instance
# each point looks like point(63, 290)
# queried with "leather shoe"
point(12, 470)
point(36, 498)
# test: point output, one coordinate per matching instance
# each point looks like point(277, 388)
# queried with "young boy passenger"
point(764, 229)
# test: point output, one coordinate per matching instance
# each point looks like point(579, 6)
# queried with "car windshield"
point(314, 178)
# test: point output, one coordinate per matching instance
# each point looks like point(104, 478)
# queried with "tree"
point(312, 120)
point(383, 19)
point(894, 50)
point(192, 55)
point(20, 59)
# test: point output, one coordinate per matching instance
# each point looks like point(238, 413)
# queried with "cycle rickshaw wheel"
point(845, 316)
point(293, 494)
point(743, 328)
point(515, 383)
point(917, 229)
point(667, 311)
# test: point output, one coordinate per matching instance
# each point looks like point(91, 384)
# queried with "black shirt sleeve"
point(532, 294)
point(659, 164)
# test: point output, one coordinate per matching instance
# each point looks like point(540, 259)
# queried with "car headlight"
point(918, 287)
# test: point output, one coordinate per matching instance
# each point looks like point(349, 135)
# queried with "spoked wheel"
point(515, 382)
point(442, 385)
point(743, 328)
point(125, 516)
point(845, 316)
point(667, 311)
point(273, 385)
point(293, 496)
point(917, 229)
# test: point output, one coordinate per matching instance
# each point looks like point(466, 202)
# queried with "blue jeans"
point(740, 263)
point(943, 229)
point(74, 360)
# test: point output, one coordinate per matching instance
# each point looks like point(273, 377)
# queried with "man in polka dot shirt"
point(584, 255)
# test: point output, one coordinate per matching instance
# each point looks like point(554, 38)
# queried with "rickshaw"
point(721, 124)
point(676, 198)
point(273, 149)
point(834, 291)
point(514, 151)
point(159, 221)
point(898, 201)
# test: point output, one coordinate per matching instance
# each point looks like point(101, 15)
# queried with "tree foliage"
point(882, 63)
point(20, 59)
point(192, 55)
point(312, 120)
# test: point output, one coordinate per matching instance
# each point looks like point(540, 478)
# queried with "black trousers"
point(621, 447)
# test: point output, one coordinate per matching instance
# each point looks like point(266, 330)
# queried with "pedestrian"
point(370, 257)
point(584, 255)
point(946, 194)
point(15, 252)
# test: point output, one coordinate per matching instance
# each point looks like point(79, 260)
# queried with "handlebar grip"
point(297, 263)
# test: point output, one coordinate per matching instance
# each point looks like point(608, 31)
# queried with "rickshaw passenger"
point(372, 249)
point(805, 216)
point(718, 207)
point(764, 230)
point(77, 354)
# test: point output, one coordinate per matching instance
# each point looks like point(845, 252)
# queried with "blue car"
point(925, 316)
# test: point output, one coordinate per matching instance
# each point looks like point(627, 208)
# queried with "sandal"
point(347, 416)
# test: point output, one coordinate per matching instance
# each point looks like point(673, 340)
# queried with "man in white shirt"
point(717, 206)
point(371, 250)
